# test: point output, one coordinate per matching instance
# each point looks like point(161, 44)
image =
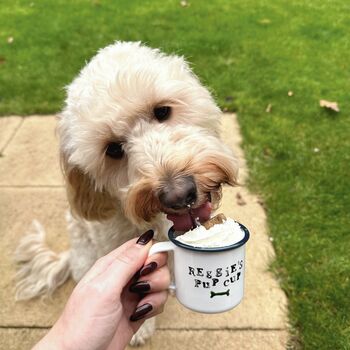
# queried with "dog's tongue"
point(183, 222)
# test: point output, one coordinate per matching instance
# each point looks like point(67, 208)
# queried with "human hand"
point(105, 309)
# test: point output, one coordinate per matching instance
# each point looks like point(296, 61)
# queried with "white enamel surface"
point(199, 274)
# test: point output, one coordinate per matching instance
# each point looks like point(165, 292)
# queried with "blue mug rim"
point(171, 235)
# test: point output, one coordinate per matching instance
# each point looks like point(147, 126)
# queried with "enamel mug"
point(207, 280)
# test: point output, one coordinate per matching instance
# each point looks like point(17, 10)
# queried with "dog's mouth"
point(187, 219)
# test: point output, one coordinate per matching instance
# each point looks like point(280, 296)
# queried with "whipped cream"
point(220, 235)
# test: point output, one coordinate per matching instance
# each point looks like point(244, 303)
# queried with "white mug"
point(207, 280)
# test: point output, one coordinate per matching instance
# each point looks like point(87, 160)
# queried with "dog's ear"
point(218, 170)
point(85, 201)
point(227, 169)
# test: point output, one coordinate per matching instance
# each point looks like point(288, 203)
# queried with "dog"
point(139, 147)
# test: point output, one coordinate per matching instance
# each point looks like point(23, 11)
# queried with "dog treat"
point(217, 219)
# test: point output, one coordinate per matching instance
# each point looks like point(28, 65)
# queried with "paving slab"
point(34, 192)
point(8, 127)
point(20, 339)
point(219, 340)
point(22, 206)
point(31, 158)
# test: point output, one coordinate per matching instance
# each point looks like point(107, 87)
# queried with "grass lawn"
point(251, 53)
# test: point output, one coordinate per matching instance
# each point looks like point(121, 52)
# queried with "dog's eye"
point(162, 113)
point(115, 150)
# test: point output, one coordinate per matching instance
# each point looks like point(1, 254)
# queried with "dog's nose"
point(178, 193)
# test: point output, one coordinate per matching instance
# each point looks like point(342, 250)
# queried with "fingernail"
point(137, 275)
point(140, 312)
point(145, 238)
point(148, 268)
point(140, 287)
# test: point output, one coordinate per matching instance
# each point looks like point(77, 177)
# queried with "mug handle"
point(160, 248)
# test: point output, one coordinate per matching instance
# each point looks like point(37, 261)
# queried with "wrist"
point(52, 341)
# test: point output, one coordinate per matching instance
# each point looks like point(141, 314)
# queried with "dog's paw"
point(144, 333)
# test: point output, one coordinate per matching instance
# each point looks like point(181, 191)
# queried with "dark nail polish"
point(140, 312)
point(137, 275)
point(140, 287)
point(148, 268)
point(145, 238)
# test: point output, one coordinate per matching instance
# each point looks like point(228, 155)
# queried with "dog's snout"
point(178, 193)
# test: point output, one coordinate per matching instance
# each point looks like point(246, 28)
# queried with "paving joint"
point(12, 136)
point(32, 186)
point(24, 327)
point(248, 329)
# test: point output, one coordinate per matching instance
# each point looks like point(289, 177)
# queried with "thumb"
point(127, 262)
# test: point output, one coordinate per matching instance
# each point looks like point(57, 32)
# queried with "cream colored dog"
point(139, 145)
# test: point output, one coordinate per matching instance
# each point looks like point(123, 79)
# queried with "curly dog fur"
point(137, 127)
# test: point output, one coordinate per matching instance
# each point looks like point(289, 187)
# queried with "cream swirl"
point(220, 235)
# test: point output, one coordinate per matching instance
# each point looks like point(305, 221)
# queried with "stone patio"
point(31, 187)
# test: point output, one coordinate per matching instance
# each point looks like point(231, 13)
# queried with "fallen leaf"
point(267, 151)
point(268, 108)
point(240, 200)
point(261, 202)
point(330, 105)
point(10, 39)
point(290, 93)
